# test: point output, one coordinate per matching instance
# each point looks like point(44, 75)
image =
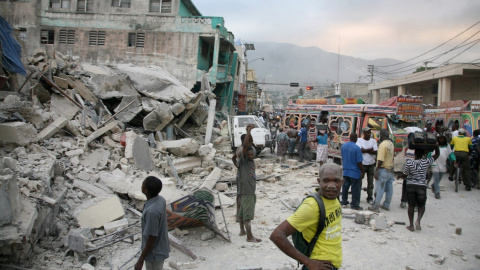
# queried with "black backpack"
point(299, 242)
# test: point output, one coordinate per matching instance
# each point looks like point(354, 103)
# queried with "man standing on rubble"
point(246, 187)
point(155, 245)
point(327, 252)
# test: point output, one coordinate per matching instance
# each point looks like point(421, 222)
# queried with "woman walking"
point(415, 172)
point(322, 146)
point(282, 144)
point(439, 167)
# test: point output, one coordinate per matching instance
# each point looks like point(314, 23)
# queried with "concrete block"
point(178, 108)
point(101, 213)
point(131, 111)
point(10, 162)
point(76, 152)
point(96, 159)
point(135, 191)
point(221, 186)
point(159, 118)
point(53, 128)
point(186, 164)
point(18, 132)
point(204, 150)
point(183, 147)
point(131, 135)
point(141, 154)
point(292, 162)
point(63, 106)
point(149, 104)
point(380, 223)
point(116, 181)
point(212, 178)
point(111, 227)
point(10, 202)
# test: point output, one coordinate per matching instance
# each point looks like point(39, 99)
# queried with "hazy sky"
point(369, 29)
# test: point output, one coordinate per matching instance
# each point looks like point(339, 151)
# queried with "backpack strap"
point(321, 222)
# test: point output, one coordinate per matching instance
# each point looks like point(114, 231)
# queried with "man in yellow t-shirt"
point(461, 149)
point(327, 253)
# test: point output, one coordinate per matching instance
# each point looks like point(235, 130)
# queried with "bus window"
point(342, 125)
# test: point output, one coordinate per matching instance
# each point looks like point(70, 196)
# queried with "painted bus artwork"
point(344, 116)
point(460, 113)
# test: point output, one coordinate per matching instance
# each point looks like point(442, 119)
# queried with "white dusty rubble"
point(74, 156)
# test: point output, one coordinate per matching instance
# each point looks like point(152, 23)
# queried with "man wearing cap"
point(461, 148)
point(369, 152)
point(384, 173)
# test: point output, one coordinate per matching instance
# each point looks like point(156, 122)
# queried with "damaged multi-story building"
point(171, 34)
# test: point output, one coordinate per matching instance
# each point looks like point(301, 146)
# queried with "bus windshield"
point(399, 126)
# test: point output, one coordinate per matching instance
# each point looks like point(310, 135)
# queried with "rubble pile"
point(76, 143)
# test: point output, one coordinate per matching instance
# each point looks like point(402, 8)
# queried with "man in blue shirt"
point(352, 172)
point(302, 142)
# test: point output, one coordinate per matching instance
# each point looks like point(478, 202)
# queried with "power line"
point(433, 48)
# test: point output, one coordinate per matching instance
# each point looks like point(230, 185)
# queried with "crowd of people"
point(360, 157)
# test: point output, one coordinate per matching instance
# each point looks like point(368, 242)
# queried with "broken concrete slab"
point(63, 106)
point(190, 109)
point(53, 128)
point(158, 118)
point(212, 178)
point(177, 108)
point(200, 113)
point(111, 227)
point(91, 189)
point(101, 131)
point(149, 104)
point(18, 132)
point(141, 154)
point(116, 180)
point(126, 115)
point(157, 83)
point(129, 142)
point(112, 86)
point(101, 213)
point(10, 202)
point(204, 150)
point(96, 159)
point(186, 164)
point(182, 148)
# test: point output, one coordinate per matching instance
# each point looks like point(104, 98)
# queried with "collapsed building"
point(78, 137)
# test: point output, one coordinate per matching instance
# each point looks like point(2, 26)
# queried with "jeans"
point(356, 185)
point(384, 184)
point(437, 177)
point(154, 265)
point(370, 171)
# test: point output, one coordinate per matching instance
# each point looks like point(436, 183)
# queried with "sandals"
point(417, 226)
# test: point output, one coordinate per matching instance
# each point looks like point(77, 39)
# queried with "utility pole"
point(370, 70)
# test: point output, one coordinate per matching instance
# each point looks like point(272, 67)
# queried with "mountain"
point(308, 65)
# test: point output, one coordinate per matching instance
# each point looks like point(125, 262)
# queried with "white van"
point(237, 126)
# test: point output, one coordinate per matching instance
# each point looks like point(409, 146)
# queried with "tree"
point(300, 92)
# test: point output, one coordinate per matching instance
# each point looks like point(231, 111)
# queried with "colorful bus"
point(460, 113)
point(345, 116)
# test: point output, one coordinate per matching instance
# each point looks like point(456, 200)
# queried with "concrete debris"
point(74, 154)
point(141, 154)
point(182, 148)
point(101, 213)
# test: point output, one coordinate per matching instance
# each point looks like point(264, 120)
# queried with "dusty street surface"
point(363, 248)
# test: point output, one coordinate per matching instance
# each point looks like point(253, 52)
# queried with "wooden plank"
point(187, 115)
point(80, 87)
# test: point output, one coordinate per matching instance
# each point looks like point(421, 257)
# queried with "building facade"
point(171, 34)
point(441, 84)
